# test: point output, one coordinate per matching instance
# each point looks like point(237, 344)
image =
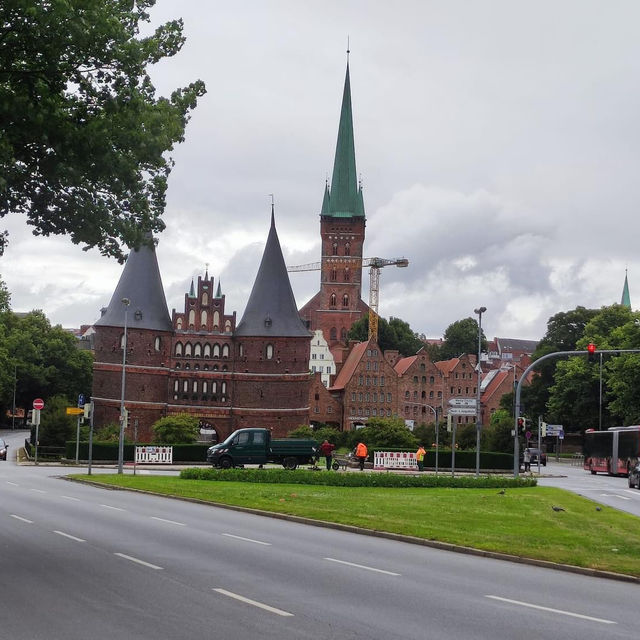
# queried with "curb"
point(398, 537)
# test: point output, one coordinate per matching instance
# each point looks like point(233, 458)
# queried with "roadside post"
point(38, 404)
point(88, 408)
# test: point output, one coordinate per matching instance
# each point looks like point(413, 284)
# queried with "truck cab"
point(244, 446)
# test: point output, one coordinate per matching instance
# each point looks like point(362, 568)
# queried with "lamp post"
point(15, 384)
point(479, 311)
point(125, 302)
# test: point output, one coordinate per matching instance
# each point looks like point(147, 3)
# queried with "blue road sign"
point(81, 400)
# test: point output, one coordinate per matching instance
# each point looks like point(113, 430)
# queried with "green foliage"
point(461, 337)
point(383, 432)
point(498, 434)
point(108, 433)
point(277, 476)
point(84, 137)
point(394, 334)
point(303, 431)
point(56, 427)
point(176, 429)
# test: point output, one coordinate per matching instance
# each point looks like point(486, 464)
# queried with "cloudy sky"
point(498, 144)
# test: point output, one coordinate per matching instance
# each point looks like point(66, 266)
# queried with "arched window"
point(334, 249)
point(332, 300)
point(345, 300)
point(225, 350)
point(179, 323)
point(216, 320)
point(347, 249)
point(205, 298)
point(334, 275)
point(343, 334)
point(227, 326)
point(216, 350)
point(406, 394)
point(176, 385)
point(185, 386)
point(192, 318)
point(333, 334)
point(207, 351)
point(422, 367)
point(157, 343)
point(205, 386)
point(214, 387)
point(195, 386)
point(187, 349)
point(223, 388)
point(268, 353)
point(431, 379)
point(203, 319)
point(197, 350)
point(347, 274)
point(178, 348)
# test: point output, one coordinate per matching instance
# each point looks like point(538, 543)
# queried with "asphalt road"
point(85, 562)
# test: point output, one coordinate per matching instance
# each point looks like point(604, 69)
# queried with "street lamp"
point(15, 384)
point(125, 302)
point(479, 311)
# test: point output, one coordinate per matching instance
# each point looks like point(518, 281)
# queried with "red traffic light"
point(591, 348)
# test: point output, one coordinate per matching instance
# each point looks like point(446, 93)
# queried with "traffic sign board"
point(462, 402)
point(462, 411)
point(38, 403)
point(81, 400)
point(75, 411)
point(554, 429)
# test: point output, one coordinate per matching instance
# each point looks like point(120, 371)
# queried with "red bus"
point(613, 451)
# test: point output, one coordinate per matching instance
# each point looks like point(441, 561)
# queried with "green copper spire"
point(219, 291)
point(626, 299)
point(192, 291)
point(345, 197)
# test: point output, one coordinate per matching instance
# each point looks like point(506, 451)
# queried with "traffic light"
point(522, 424)
point(591, 348)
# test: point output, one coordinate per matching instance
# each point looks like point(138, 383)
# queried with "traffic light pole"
point(531, 367)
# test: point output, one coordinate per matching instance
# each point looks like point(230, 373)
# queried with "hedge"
point(108, 451)
point(464, 459)
point(337, 479)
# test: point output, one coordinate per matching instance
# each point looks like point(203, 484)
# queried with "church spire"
point(344, 199)
point(626, 299)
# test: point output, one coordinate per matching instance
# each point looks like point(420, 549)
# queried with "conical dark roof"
point(141, 284)
point(271, 309)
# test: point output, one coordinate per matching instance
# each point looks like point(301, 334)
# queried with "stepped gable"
point(141, 283)
point(271, 309)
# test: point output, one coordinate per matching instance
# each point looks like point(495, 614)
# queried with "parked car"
point(634, 476)
point(3, 449)
point(535, 453)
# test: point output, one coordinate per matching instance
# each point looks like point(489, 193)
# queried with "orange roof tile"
point(447, 366)
point(403, 364)
point(349, 366)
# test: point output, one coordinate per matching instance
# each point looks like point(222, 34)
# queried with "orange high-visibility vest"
point(420, 454)
point(361, 450)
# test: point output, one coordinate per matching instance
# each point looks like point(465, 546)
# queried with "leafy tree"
point(303, 431)
point(5, 297)
point(461, 337)
point(176, 429)
point(395, 334)
point(108, 433)
point(56, 427)
point(84, 137)
point(384, 432)
point(498, 434)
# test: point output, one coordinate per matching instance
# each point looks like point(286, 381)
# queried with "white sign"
point(395, 460)
point(154, 455)
point(462, 402)
point(461, 411)
point(554, 429)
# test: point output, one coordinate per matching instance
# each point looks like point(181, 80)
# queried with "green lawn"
point(520, 522)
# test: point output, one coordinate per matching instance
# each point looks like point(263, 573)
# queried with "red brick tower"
point(338, 304)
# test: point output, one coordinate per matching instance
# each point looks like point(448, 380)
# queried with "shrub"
point(176, 429)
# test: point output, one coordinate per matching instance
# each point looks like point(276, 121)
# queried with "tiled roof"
point(403, 364)
point(495, 384)
point(447, 366)
point(346, 373)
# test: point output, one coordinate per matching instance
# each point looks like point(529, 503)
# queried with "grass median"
point(520, 521)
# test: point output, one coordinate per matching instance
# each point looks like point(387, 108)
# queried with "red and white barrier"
point(395, 460)
point(154, 455)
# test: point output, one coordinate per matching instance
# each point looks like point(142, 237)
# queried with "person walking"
point(526, 457)
point(420, 454)
point(326, 449)
point(361, 454)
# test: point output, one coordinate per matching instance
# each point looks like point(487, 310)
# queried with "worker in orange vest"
point(420, 454)
point(361, 454)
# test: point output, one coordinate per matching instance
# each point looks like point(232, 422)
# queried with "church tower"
point(338, 304)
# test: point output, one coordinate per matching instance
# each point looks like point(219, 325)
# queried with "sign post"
point(38, 404)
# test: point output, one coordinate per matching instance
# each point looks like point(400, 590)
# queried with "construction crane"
point(374, 264)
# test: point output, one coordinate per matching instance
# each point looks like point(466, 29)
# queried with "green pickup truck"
point(255, 446)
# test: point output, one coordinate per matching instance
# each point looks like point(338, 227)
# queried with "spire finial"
point(206, 270)
point(272, 209)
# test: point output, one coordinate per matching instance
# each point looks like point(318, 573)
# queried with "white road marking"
point(142, 562)
point(38, 490)
point(560, 611)
point(230, 535)
point(14, 484)
point(182, 524)
point(21, 519)
point(613, 495)
point(633, 492)
point(70, 498)
point(108, 506)
point(68, 535)
point(260, 605)
point(362, 566)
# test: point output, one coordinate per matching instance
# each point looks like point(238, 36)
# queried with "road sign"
point(462, 402)
point(461, 411)
point(528, 435)
point(75, 411)
point(38, 403)
point(81, 400)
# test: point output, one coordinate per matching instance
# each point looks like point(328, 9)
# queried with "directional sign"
point(462, 402)
point(462, 411)
point(81, 400)
point(75, 411)
point(554, 429)
point(38, 403)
